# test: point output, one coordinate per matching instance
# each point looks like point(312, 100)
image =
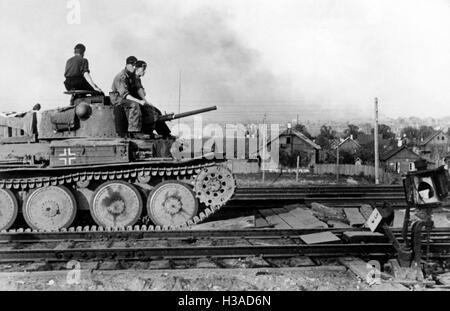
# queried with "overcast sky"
point(323, 59)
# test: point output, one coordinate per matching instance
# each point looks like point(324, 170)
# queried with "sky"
point(320, 59)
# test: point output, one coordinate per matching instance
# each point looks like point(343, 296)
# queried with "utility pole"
point(179, 98)
point(377, 180)
point(337, 162)
point(264, 153)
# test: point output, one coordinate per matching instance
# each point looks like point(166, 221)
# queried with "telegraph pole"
point(179, 98)
point(264, 152)
point(377, 180)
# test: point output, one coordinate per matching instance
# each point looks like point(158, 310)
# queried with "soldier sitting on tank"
point(124, 101)
point(150, 113)
point(128, 95)
point(77, 73)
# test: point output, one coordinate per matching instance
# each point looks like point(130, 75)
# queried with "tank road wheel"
point(50, 208)
point(116, 204)
point(214, 186)
point(8, 209)
point(172, 203)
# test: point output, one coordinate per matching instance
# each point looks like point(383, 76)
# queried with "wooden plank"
point(306, 219)
point(288, 218)
point(366, 210)
point(354, 217)
point(320, 238)
point(229, 224)
point(260, 221)
point(274, 219)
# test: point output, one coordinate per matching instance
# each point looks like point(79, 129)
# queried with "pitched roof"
point(299, 135)
point(335, 144)
point(393, 152)
point(430, 138)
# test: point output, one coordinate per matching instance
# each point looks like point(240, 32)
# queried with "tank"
point(57, 163)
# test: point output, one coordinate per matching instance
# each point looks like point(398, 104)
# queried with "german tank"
point(56, 163)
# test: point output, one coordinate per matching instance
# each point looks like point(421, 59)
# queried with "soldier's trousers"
point(133, 115)
point(150, 115)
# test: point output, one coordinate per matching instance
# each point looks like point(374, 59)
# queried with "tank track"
point(169, 170)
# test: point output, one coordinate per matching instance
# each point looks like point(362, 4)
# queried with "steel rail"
point(438, 250)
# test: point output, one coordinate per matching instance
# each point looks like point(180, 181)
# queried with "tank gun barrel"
point(172, 116)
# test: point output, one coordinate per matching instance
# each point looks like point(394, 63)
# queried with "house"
point(399, 160)
point(435, 148)
point(348, 145)
point(293, 143)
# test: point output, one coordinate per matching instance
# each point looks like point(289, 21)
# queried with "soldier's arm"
point(87, 75)
point(141, 93)
point(88, 78)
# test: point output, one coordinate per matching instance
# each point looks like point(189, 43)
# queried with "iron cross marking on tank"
point(67, 156)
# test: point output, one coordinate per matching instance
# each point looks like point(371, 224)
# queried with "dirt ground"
point(326, 278)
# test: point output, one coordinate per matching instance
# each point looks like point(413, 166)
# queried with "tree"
point(302, 129)
point(352, 130)
point(425, 131)
point(411, 133)
point(326, 136)
point(385, 131)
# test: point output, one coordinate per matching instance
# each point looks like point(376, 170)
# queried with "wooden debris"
point(301, 261)
point(320, 238)
point(325, 213)
point(441, 220)
point(338, 224)
point(298, 217)
point(229, 224)
point(205, 263)
point(364, 236)
point(273, 219)
point(354, 217)
point(159, 264)
point(444, 279)
point(303, 218)
point(366, 210)
point(362, 270)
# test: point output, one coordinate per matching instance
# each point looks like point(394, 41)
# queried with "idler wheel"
point(172, 203)
point(8, 209)
point(214, 186)
point(50, 208)
point(116, 204)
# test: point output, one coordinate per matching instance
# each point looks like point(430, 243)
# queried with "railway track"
point(322, 193)
point(138, 245)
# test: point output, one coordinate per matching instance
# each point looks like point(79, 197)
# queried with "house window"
point(288, 140)
point(412, 166)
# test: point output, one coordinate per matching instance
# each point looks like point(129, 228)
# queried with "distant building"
point(435, 148)
point(292, 142)
point(399, 160)
point(349, 145)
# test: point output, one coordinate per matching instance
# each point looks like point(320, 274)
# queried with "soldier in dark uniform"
point(150, 113)
point(123, 99)
point(77, 72)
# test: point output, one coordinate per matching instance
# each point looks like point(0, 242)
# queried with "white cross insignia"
point(67, 156)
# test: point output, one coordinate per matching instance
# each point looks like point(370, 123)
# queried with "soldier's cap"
point(131, 60)
point(80, 48)
point(141, 64)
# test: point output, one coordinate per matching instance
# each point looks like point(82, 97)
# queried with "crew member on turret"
point(77, 72)
point(150, 113)
point(122, 97)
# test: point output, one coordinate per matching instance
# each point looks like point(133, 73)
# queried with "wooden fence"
point(355, 170)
